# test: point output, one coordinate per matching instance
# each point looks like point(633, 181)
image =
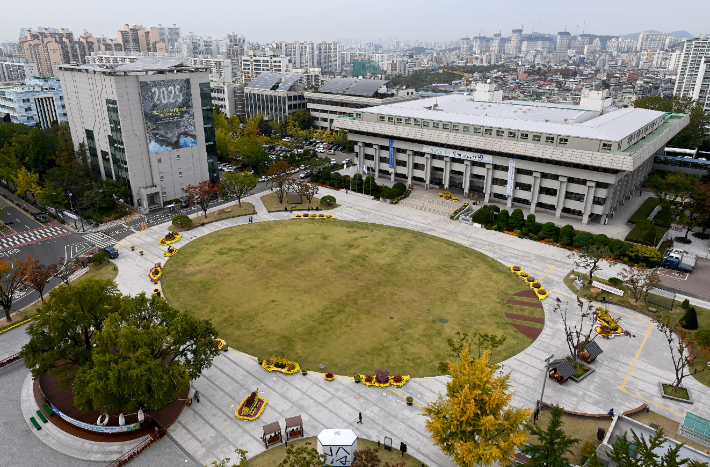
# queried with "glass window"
point(407, 121)
point(511, 134)
point(477, 130)
point(488, 131)
point(162, 179)
point(160, 160)
point(523, 136)
point(549, 139)
point(382, 118)
point(435, 124)
point(425, 124)
point(179, 174)
point(390, 119)
point(500, 132)
point(164, 194)
point(178, 157)
point(399, 120)
point(417, 122)
point(537, 137)
point(358, 115)
point(446, 126)
point(606, 146)
point(456, 128)
point(466, 129)
point(564, 140)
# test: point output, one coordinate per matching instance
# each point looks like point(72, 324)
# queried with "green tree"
point(251, 151)
point(241, 461)
point(149, 352)
point(643, 451)
point(591, 258)
point(473, 424)
point(26, 182)
point(480, 342)
point(238, 185)
point(693, 135)
point(689, 319)
point(517, 220)
point(583, 240)
point(553, 444)
point(303, 456)
point(502, 219)
point(302, 119)
point(567, 234)
point(549, 231)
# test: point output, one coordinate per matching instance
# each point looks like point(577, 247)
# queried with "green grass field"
point(352, 296)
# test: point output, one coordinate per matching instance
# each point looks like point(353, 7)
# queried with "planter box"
point(677, 399)
point(577, 380)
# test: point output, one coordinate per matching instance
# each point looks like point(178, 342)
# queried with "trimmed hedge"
point(182, 221)
point(642, 213)
point(327, 200)
point(646, 234)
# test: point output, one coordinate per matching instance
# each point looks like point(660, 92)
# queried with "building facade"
point(575, 160)
point(48, 48)
point(255, 63)
point(693, 78)
point(274, 95)
point(16, 69)
point(148, 124)
point(38, 102)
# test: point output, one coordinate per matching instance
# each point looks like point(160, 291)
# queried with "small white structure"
point(338, 445)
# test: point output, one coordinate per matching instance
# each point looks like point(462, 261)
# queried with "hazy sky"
point(364, 19)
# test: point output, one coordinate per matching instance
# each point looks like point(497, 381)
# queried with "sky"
point(290, 20)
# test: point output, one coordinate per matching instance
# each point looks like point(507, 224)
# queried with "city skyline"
point(368, 20)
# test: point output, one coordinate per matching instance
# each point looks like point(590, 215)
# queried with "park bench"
point(48, 409)
point(34, 422)
point(41, 416)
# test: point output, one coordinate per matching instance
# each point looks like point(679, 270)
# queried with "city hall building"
point(148, 123)
point(580, 160)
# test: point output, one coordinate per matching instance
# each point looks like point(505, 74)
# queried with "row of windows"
point(162, 178)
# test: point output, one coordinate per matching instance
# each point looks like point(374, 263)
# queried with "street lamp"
point(547, 368)
point(78, 210)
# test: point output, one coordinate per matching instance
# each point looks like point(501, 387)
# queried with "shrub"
point(701, 235)
point(99, 258)
point(182, 221)
point(517, 220)
point(619, 248)
point(291, 366)
point(616, 282)
point(397, 378)
point(382, 376)
point(369, 378)
point(336, 179)
point(399, 186)
point(685, 305)
point(327, 200)
point(356, 377)
point(567, 234)
point(329, 375)
point(689, 319)
point(664, 218)
point(503, 219)
point(531, 279)
point(702, 338)
point(483, 216)
point(601, 239)
point(583, 240)
point(644, 234)
point(536, 285)
point(549, 231)
point(493, 208)
point(588, 450)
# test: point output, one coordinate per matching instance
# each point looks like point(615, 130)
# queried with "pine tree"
point(553, 443)
point(689, 319)
point(517, 220)
point(503, 219)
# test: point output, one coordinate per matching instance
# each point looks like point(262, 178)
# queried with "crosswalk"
point(31, 236)
point(99, 239)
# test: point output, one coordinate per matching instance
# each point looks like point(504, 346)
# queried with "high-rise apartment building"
point(328, 57)
point(497, 44)
point(564, 41)
point(169, 36)
point(651, 41)
point(516, 42)
point(48, 48)
point(302, 54)
point(693, 79)
point(134, 39)
point(148, 124)
point(16, 69)
point(255, 63)
point(38, 102)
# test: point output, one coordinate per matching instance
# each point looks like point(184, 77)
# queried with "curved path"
point(626, 375)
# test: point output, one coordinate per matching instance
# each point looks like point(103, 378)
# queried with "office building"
point(148, 124)
point(13, 70)
point(228, 98)
point(37, 102)
point(274, 95)
point(220, 68)
point(580, 160)
point(693, 79)
point(255, 63)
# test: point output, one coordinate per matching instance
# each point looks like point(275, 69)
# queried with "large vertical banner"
point(511, 177)
point(391, 155)
point(168, 114)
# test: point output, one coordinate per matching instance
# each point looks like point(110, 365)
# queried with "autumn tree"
point(366, 458)
point(238, 185)
point(241, 460)
point(479, 341)
point(280, 173)
point(14, 275)
point(202, 193)
point(640, 280)
point(39, 276)
point(303, 456)
point(552, 445)
point(310, 190)
point(473, 424)
point(591, 258)
point(26, 182)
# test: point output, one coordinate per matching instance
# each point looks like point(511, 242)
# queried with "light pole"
point(78, 210)
point(547, 367)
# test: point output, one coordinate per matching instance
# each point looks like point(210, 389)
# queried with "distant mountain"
point(677, 34)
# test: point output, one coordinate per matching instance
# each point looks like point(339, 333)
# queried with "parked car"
point(112, 252)
point(305, 175)
point(331, 152)
point(347, 161)
point(333, 162)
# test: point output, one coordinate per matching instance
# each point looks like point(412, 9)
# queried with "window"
point(417, 122)
point(500, 182)
point(382, 118)
point(574, 196)
point(446, 126)
point(425, 124)
point(390, 119)
point(542, 205)
point(524, 171)
point(537, 137)
point(511, 134)
point(503, 168)
point(358, 115)
point(400, 163)
point(549, 139)
point(399, 120)
point(522, 201)
point(606, 146)
point(577, 181)
point(477, 130)
point(466, 129)
point(419, 167)
point(407, 121)
point(523, 136)
point(564, 140)
point(456, 128)
point(178, 157)
point(548, 191)
point(164, 194)
point(599, 201)
point(162, 179)
point(574, 212)
point(550, 176)
point(159, 160)
point(602, 185)
point(435, 124)
point(500, 132)
point(179, 174)
point(488, 131)
point(523, 186)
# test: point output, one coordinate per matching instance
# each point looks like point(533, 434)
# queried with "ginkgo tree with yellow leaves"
point(474, 424)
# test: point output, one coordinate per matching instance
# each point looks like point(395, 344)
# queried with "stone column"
point(410, 162)
point(427, 168)
point(466, 177)
point(535, 192)
point(361, 154)
point(489, 182)
point(588, 200)
point(561, 196)
point(447, 172)
point(376, 165)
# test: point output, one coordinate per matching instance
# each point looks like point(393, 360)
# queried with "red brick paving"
point(528, 331)
point(521, 303)
point(526, 294)
point(530, 319)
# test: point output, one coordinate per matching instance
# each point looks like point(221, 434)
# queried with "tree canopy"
point(552, 443)
point(693, 135)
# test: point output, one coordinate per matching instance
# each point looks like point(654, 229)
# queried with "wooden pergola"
point(294, 427)
point(591, 352)
point(560, 370)
point(272, 434)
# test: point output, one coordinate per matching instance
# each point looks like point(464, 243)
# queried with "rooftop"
point(353, 86)
point(142, 65)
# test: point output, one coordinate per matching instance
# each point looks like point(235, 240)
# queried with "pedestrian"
point(611, 412)
point(359, 415)
point(346, 191)
point(403, 448)
point(196, 396)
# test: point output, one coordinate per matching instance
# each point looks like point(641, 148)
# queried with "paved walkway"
point(626, 375)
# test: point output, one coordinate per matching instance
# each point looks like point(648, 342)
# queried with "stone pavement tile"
point(12, 341)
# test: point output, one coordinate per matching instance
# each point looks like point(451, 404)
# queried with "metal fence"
point(662, 298)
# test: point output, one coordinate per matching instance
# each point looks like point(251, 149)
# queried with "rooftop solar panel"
point(365, 87)
point(337, 85)
point(288, 82)
point(265, 80)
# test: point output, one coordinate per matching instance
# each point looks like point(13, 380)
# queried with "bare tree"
point(65, 269)
point(280, 173)
point(640, 280)
point(39, 276)
point(684, 350)
point(310, 191)
point(591, 259)
point(13, 277)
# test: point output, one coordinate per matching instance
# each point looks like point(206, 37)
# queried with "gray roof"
point(266, 80)
point(563, 367)
point(288, 82)
point(593, 349)
point(353, 86)
point(525, 116)
point(143, 64)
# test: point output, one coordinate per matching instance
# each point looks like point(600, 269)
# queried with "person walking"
point(359, 416)
point(196, 396)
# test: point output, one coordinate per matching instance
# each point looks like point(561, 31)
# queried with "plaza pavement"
point(626, 375)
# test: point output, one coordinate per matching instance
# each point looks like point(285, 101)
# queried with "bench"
point(41, 416)
point(48, 409)
point(34, 422)
point(274, 440)
point(294, 433)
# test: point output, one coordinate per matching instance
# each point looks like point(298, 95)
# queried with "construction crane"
point(465, 75)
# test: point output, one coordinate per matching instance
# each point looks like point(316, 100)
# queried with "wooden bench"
point(48, 409)
point(41, 416)
point(294, 434)
point(274, 440)
point(34, 422)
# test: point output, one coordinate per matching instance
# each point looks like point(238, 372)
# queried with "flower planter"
point(304, 372)
point(673, 398)
point(578, 380)
point(410, 403)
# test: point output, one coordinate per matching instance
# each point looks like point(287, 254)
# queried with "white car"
point(302, 167)
point(333, 162)
point(331, 152)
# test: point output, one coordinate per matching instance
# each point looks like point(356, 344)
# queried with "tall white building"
point(255, 63)
point(169, 36)
point(564, 41)
point(148, 124)
point(693, 79)
point(329, 59)
point(652, 41)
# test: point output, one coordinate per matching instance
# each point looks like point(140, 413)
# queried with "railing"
point(11, 359)
point(136, 450)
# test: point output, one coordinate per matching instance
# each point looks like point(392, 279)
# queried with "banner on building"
point(468, 156)
point(168, 114)
point(511, 177)
point(391, 155)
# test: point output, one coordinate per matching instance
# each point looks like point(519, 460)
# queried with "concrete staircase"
point(436, 206)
